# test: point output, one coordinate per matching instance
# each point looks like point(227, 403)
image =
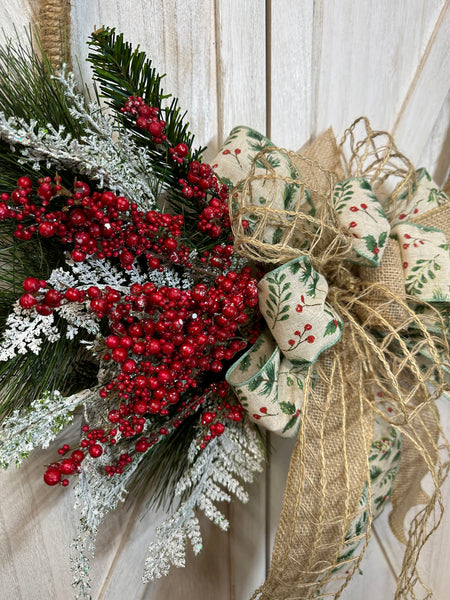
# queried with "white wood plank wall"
point(289, 69)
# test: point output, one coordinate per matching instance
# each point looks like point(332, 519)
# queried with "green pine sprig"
point(121, 72)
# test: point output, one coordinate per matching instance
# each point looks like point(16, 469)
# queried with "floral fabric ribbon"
point(269, 378)
point(395, 261)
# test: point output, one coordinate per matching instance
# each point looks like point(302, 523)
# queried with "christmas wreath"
point(178, 306)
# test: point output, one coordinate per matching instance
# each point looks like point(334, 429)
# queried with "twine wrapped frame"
point(382, 348)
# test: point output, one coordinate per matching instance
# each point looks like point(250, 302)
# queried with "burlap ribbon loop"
point(377, 369)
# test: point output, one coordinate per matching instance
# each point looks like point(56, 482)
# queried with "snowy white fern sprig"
point(214, 475)
point(38, 425)
point(25, 331)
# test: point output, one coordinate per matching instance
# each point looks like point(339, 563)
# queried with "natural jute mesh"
point(329, 466)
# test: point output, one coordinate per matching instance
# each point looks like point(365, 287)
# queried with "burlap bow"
point(394, 338)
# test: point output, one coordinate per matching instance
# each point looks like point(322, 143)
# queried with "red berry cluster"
point(146, 118)
point(163, 340)
point(200, 178)
point(214, 421)
point(68, 466)
point(96, 224)
point(214, 218)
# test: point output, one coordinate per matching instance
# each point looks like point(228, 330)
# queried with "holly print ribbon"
point(269, 377)
point(292, 297)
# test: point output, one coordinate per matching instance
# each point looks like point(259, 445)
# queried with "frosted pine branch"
point(115, 161)
point(38, 425)
point(101, 272)
point(25, 331)
point(97, 494)
point(211, 478)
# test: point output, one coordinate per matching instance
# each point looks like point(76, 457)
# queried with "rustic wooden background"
point(290, 69)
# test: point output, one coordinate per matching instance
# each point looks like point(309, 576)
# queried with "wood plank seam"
point(439, 27)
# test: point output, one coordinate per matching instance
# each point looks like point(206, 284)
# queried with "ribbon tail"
point(420, 439)
point(327, 475)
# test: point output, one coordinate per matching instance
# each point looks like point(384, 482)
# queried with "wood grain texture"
point(368, 57)
point(37, 525)
point(15, 18)
point(241, 64)
point(179, 37)
point(241, 87)
point(436, 151)
point(289, 69)
point(433, 563)
point(432, 73)
point(292, 55)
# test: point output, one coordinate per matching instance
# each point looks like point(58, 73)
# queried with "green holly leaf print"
point(277, 303)
point(289, 193)
point(423, 270)
point(254, 384)
point(256, 136)
point(437, 196)
point(292, 421)
point(309, 274)
point(331, 327)
point(295, 267)
point(342, 195)
point(365, 185)
point(289, 381)
point(288, 408)
point(226, 181)
point(375, 472)
point(347, 555)
point(269, 380)
point(371, 242)
point(277, 235)
point(234, 134)
point(270, 158)
point(361, 524)
point(244, 365)
point(379, 501)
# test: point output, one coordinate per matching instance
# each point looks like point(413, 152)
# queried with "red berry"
point(52, 476)
point(46, 229)
point(96, 450)
point(67, 466)
point(44, 309)
point(78, 256)
point(53, 297)
point(219, 428)
point(27, 301)
point(77, 456)
point(24, 182)
point(122, 204)
point(182, 150)
point(207, 417)
point(119, 354)
point(72, 295)
point(114, 416)
point(140, 407)
point(142, 445)
point(112, 341)
point(31, 284)
point(129, 366)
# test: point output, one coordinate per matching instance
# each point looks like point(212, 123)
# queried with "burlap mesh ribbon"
point(329, 466)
